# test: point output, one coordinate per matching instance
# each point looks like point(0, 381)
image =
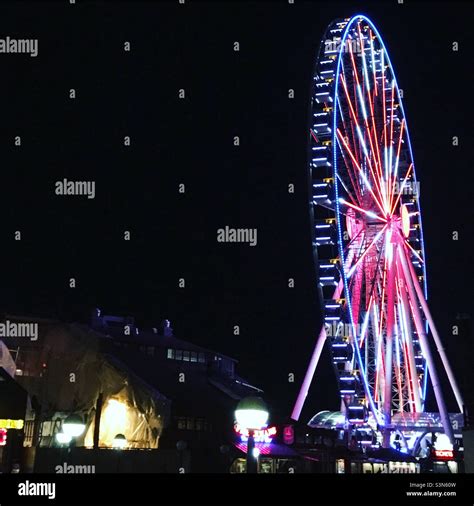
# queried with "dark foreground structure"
point(170, 402)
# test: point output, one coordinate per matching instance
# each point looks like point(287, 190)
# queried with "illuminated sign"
point(260, 436)
point(11, 424)
point(3, 437)
point(444, 454)
point(288, 434)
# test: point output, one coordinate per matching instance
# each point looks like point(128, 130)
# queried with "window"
point(150, 351)
point(190, 424)
point(141, 348)
point(186, 356)
point(181, 422)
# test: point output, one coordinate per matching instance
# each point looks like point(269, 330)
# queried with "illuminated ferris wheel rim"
point(342, 54)
point(336, 117)
point(377, 189)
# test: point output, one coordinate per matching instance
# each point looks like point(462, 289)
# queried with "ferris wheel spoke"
point(374, 70)
point(361, 172)
point(366, 82)
point(402, 187)
point(413, 251)
point(390, 145)
point(395, 169)
point(376, 151)
point(364, 253)
point(346, 189)
point(361, 144)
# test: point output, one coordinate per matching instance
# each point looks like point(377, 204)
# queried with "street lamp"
point(251, 414)
point(73, 426)
point(119, 442)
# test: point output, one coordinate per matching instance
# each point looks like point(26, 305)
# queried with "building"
point(159, 392)
point(202, 384)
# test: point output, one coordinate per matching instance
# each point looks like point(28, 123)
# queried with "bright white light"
point(361, 99)
point(73, 429)
point(117, 410)
point(251, 418)
point(62, 438)
point(120, 442)
point(255, 453)
point(442, 443)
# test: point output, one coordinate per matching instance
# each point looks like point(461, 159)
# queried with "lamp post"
point(73, 427)
point(251, 414)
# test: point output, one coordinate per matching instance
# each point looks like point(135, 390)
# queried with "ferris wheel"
point(368, 236)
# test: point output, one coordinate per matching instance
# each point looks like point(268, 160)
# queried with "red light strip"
point(401, 188)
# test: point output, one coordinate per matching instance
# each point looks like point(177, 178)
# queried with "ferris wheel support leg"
point(448, 429)
point(439, 344)
point(387, 398)
point(309, 374)
point(295, 415)
point(411, 356)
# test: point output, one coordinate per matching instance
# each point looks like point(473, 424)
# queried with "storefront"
point(13, 401)
point(272, 458)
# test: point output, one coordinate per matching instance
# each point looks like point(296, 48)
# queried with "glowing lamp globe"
point(252, 413)
point(73, 426)
point(120, 441)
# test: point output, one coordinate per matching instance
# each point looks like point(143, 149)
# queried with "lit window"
point(181, 423)
point(190, 424)
point(201, 358)
point(179, 355)
point(170, 353)
point(193, 356)
point(186, 356)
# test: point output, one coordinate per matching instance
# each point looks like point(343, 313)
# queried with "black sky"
point(190, 141)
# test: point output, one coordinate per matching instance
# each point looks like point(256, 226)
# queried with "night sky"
point(190, 141)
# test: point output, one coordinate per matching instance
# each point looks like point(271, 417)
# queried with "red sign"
point(444, 454)
point(288, 434)
point(3, 437)
point(260, 436)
